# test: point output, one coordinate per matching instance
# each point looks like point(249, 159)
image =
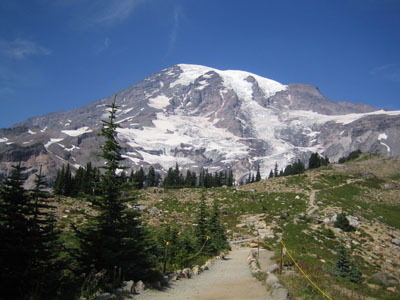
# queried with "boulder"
point(128, 286)
point(396, 241)
point(272, 268)
point(382, 277)
point(278, 292)
point(391, 289)
point(154, 211)
point(196, 270)
point(140, 287)
point(271, 280)
point(353, 221)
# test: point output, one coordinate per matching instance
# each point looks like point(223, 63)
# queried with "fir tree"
point(201, 230)
point(44, 241)
point(314, 161)
point(218, 240)
point(271, 174)
point(113, 237)
point(276, 171)
point(151, 177)
point(343, 262)
point(59, 182)
point(258, 175)
point(230, 178)
point(16, 251)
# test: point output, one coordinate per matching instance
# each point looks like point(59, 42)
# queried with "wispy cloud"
point(113, 11)
point(103, 46)
point(175, 28)
point(107, 42)
point(389, 72)
point(21, 48)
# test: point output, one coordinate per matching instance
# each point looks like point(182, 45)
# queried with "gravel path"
point(227, 279)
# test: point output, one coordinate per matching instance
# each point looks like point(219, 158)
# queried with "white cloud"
point(113, 11)
point(389, 72)
point(175, 27)
point(21, 48)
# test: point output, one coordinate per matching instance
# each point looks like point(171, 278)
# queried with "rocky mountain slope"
point(198, 117)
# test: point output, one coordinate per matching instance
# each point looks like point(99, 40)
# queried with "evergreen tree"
point(151, 177)
point(218, 240)
point(67, 188)
point(343, 262)
point(343, 223)
point(59, 182)
point(276, 171)
point(201, 230)
point(139, 178)
point(44, 241)
point(314, 161)
point(271, 174)
point(113, 238)
point(230, 178)
point(16, 251)
point(258, 175)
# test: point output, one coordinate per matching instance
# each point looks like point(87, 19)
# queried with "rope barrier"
point(205, 242)
point(305, 275)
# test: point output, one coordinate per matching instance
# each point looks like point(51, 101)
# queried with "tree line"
point(86, 180)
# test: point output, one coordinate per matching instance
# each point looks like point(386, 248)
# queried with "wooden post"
point(165, 257)
point(281, 263)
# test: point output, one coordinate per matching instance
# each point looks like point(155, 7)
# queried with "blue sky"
point(63, 54)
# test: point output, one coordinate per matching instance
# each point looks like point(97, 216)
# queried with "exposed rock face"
point(203, 117)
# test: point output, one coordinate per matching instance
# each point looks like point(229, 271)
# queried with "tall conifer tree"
point(113, 238)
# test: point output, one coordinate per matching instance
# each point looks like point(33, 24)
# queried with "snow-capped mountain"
point(198, 117)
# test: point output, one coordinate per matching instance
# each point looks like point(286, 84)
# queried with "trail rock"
point(128, 286)
point(140, 287)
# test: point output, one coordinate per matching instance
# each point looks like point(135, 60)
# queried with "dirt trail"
point(227, 279)
point(311, 204)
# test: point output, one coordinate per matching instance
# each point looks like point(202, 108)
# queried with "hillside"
point(300, 209)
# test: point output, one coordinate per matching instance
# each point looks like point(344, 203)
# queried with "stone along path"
point(227, 279)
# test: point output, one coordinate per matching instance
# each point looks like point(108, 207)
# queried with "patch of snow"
point(134, 159)
point(127, 110)
point(77, 132)
point(159, 102)
point(382, 136)
point(73, 147)
point(10, 143)
point(3, 140)
point(387, 146)
point(67, 124)
point(27, 142)
point(31, 132)
point(44, 129)
point(52, 141)
point(124, 119)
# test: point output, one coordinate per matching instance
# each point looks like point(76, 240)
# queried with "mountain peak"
point(199, 116)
